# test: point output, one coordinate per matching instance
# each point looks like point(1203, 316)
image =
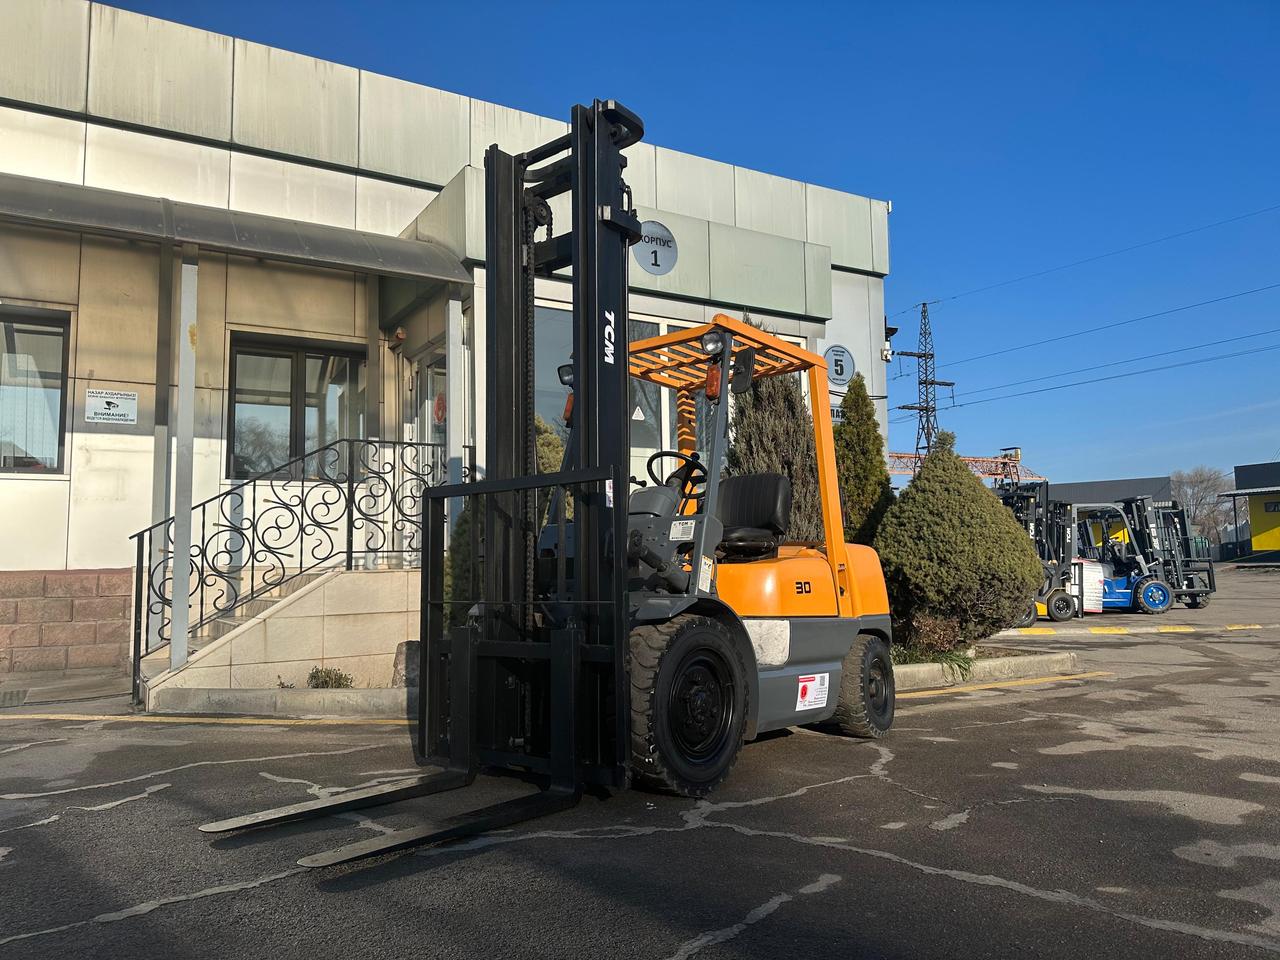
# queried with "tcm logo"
point(609, 336)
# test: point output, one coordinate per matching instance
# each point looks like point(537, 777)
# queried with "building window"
point(33, 386)
point(288, 400)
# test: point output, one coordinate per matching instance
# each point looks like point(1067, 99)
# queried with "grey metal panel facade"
point(694, 186)
point(159, 74)
point(37, 145)
point(298, 191)
point(452, 219)
point(842, 222)
point(295, 105)
point(512, 130)
point(642, 174)
point(817, 280)
point(44, 52)
point(769, 204)
point(139, 163)
point(412, 131)
point(691, 276)
point(757, 269)
point(880, 237)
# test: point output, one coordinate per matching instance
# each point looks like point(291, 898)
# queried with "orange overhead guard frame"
point(678, 361)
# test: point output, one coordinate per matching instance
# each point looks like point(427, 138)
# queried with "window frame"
point(296, 350)
point(59, 320)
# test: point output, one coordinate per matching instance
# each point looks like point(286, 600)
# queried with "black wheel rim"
point(879, 688)
point(701, 706)
point(1062, 606)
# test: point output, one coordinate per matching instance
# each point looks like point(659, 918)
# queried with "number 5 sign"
point(839, 365)
point(657, 251)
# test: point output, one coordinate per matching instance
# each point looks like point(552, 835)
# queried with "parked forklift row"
point(1133, 554)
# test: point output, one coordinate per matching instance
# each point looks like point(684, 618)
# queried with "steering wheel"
point(691, 473)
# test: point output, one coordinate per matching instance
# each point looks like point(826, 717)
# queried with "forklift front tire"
point(865, 707)
point(1060, 606)
point(689, 704)
point(1152, 596)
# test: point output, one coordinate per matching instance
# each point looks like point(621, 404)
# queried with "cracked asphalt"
point(1131, 815)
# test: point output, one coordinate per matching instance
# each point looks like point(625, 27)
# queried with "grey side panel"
point(881, 624)
point(818, 646)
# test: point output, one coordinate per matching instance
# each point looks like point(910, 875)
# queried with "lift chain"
point(530, 214)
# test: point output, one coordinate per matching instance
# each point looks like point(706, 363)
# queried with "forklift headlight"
point(713, 341)
point(565, 372)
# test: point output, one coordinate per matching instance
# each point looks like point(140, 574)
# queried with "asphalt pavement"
point(1129, 814)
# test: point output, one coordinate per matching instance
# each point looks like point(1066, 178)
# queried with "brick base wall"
point(64, 620)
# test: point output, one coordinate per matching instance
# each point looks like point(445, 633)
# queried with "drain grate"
point(12, 698)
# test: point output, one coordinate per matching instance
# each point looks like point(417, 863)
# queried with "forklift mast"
point(511, 678)
point(588, 164)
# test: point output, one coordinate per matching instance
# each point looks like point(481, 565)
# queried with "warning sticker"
point(682, 530)
point(811, 692)
point(704, 575)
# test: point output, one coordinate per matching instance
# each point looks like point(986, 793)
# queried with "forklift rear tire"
point(865, 707)
point(689, 704)
point(1198, 602)
point(1060, 606)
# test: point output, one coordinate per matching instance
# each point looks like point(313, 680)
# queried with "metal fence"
point(349, 503)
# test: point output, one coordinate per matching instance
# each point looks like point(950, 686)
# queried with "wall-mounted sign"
point(657, 251)
point(840, 368)
point(110, 406)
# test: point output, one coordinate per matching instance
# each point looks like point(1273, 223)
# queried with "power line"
point(1095, 258)
point(1113, 325)
point(1118, 376)
point(1116, 363)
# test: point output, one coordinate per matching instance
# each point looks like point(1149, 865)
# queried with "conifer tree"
point(865, 492)
point(957, 564)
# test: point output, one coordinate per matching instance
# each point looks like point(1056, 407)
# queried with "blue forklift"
point(1144, 555)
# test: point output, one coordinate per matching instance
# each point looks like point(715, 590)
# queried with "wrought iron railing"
point(349, 503)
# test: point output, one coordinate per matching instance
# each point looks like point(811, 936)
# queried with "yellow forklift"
point(604, 635)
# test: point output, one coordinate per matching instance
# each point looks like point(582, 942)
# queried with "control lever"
point(637, 549)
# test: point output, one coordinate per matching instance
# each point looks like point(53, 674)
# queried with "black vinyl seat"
point(755, 509)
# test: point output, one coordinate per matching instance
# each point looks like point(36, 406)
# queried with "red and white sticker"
point(811, 692)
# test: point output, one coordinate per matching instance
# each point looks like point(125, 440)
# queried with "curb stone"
point(924, 676)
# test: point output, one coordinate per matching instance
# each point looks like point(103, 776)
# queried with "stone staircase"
point(156, 662)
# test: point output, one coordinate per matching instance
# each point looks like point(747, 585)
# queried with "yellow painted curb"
point(227, 721)
point(1036, 631)
point(1244, 626)
point(942, 691)
point(1108, 629)
point(1175, 629)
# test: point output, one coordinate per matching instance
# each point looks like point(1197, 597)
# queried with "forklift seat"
point(755, 509)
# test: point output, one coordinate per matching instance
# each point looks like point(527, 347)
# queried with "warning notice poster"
point(811, 691)
point(110, 406)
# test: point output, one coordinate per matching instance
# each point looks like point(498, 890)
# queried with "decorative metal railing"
point(349, 503)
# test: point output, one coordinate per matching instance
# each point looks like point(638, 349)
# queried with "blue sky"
point(1011, 138)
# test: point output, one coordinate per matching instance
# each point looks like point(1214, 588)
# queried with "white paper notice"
point(811, 691)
